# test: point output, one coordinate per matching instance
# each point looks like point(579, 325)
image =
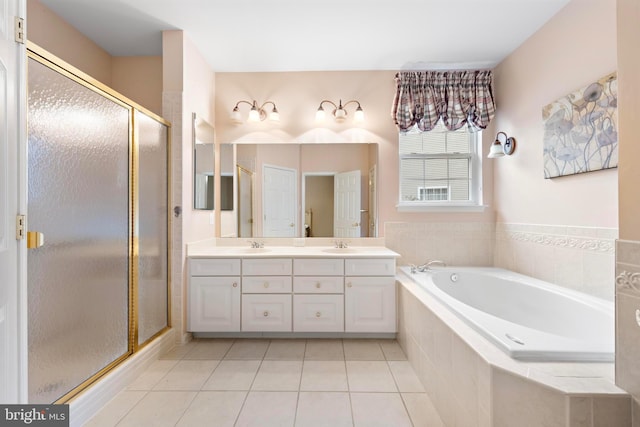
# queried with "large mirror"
point(304, 190)
point(203, 163)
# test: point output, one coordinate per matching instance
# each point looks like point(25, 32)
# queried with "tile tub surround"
point(473, 383)
point(627, 318)
point(284, 382)
point(456, 243)
point(579, 258)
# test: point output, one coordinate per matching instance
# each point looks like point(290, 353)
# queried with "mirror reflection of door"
point(318, 205)
point(373, 200)
point(347, 204)
point(279, 201)
point(245, 202)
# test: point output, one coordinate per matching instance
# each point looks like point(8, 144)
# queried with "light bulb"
point(358, 117)
point(235, 116)
point(254, 115)
point(274, 116)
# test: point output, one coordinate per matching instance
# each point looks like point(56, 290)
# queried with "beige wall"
point(137, 78)
point(49, 31)
point(628, 247)
point(298, 94)
point(188, 87)
point(629, 104)
point(575, 48)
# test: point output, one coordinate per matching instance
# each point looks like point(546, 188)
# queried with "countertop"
point(201, 251)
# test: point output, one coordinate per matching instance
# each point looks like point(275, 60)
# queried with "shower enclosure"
point(98, 228)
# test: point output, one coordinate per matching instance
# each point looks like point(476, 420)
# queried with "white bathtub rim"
point(537, 349)
point(498, 359)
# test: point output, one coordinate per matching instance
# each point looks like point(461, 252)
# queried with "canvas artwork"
point(581, 130)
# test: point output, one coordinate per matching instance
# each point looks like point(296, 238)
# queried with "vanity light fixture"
point(500, 147)
point(339, 113)
point(256, 113)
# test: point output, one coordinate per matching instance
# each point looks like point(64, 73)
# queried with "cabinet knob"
point(349, 285)
point(265, 314)
point(266, 284)
point(235, 284)
point(318, 314)
point(318, 285)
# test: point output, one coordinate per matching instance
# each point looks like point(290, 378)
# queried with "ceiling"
point(314, 35)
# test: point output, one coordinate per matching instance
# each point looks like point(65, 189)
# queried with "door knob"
point(356, 224)
point(292, 225)
point(35, 239)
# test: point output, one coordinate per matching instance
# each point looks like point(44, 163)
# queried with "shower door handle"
point(35, 239)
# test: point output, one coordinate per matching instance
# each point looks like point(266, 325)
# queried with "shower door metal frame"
point(58, 65)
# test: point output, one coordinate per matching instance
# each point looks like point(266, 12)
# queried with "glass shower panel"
point(78, 198)
point(152, 183)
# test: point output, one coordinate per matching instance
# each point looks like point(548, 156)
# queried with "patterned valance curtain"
point(457, 97)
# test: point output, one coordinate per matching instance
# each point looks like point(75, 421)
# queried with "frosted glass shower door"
point(152, 137)
point(78, 197)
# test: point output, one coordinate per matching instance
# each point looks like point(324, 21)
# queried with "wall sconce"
point(339, 113)
point(256, 114)
point(499, 147)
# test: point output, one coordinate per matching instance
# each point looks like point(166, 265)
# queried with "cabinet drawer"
point(214, 266)
point(370, 267)
point(266, 313)
point(266, 267)
point(318, 267)
point(266, 284)
point(318, 313)
point(318, 284)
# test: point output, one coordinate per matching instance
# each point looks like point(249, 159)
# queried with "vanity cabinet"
point(213, 301)
point(318, 301)
point(370, 295)
point(298, 295)
point(266, 295)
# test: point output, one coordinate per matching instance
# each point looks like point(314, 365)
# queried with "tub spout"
point(432, 263)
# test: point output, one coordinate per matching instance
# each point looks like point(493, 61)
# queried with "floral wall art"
point(580, 130)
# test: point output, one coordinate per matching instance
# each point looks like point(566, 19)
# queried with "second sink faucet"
point(341, 244)
point(255, 244)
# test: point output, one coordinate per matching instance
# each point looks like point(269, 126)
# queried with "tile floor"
point(287, 382)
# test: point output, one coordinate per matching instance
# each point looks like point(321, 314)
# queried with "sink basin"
point(254, 250)
point(340, 250)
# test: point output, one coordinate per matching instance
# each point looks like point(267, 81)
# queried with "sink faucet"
point(255, 244)
point(427, 265)
point(340, 244)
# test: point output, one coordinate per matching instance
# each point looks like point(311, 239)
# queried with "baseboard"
point(89, 402)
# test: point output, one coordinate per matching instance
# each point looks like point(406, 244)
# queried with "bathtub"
point(527, 318)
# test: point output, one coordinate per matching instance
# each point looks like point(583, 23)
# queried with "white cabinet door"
point(214, 304)
point(266, 313)
point(318, 313)
point(370, 304)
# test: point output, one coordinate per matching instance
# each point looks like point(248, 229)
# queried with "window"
point(440, 169)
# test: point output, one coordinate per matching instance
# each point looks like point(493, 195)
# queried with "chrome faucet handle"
point(414, 268)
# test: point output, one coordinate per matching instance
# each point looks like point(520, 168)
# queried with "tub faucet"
point(431, 263)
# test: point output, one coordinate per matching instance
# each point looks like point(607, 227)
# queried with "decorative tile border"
point(582, 238)
point(628, 281)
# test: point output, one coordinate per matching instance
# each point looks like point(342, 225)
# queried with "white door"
point(279, 201)
point(12, 201)
point(373, 202)
point(346, 218)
